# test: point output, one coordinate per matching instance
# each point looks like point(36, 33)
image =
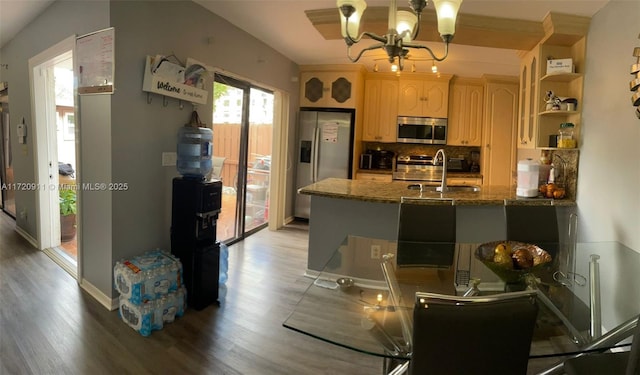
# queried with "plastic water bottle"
point(194, 151)
point(224, 263)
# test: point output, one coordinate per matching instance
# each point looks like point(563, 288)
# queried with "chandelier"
point(403, 28)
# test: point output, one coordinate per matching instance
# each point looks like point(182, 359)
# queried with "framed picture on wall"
point(69, 126)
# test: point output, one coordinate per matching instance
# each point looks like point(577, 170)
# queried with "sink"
point(450, 189)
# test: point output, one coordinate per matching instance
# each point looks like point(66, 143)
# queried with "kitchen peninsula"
point(341, 207)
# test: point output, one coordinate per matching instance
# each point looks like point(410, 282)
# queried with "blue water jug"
point(224, 264)
point(194, 151)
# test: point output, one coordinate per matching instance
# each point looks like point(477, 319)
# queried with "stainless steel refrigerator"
point(325, 149)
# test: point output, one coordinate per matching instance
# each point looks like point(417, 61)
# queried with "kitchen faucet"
point(443, 184)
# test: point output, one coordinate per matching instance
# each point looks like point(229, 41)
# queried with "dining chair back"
point(426, 233)
point(627, 363)
point(473, 335)
point(536, 225)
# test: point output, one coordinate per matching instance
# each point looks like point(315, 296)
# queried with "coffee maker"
point(382, 159)
point(474, 157)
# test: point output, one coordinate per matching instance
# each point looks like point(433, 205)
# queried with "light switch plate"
point(169, 159)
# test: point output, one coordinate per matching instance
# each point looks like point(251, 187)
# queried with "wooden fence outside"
point(226, 143)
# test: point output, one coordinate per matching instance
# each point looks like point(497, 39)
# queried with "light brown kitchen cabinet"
point(330, 88)
point(424, 96)
point(466, 102)
point(529, 90)
point(382, 177)
point(498, 151)
point(464, 181)
point(380, 109)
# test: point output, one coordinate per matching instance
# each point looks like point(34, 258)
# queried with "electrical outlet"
point(169, 159)
point(375, 252)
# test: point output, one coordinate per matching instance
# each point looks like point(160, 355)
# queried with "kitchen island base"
point(333, 219)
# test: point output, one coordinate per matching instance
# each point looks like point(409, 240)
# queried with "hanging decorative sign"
point(173, 80)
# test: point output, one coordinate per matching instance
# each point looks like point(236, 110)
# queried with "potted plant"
point(67, 214)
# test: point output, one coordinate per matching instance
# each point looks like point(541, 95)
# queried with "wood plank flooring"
point(48, 325)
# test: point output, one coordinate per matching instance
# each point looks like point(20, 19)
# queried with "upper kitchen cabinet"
point(466, 101)
point(539, 120)
point(498, 164)
point(380, 108)
point(331, 86)
point(424, 96)
point(528, 119)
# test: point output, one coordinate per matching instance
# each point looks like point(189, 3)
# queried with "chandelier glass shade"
point(403, 28)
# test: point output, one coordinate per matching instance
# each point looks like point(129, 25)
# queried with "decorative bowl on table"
point(512, 260)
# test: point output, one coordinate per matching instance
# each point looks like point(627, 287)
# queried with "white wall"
point(609, 171)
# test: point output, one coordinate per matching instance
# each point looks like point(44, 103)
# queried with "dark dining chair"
point(472, 335)
point(536, 225)
point(623, 363)
point(426, 233)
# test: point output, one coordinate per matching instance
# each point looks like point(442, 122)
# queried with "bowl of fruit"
point(552, 190)
point(512, 260)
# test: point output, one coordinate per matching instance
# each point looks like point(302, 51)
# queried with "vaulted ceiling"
point(489, 32)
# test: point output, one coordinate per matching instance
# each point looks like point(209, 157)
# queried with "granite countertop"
point(392, 192)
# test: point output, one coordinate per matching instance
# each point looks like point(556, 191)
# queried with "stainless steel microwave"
point(428, 130)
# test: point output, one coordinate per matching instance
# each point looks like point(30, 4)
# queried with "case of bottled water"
point(147, 277)
point(151, 315)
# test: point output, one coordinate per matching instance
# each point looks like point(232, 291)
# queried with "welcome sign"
point(157, 84)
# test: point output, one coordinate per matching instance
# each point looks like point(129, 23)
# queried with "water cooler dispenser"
point(195, 207)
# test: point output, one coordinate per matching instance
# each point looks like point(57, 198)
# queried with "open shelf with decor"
point(552, 80)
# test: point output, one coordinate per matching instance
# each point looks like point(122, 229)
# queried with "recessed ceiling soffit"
point(472, 30)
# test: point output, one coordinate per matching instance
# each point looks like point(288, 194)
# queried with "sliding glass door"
point(242, 141)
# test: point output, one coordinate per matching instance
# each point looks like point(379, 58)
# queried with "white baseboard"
point(106, 301)
point(64, 263)
point(311, 273)
point(27, 236)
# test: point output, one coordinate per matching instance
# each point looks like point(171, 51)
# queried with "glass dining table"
point(362, 300)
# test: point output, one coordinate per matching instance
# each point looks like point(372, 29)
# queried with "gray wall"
point(142, 131)
point(58, 22)
point(122, 137)
point(95, 206)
